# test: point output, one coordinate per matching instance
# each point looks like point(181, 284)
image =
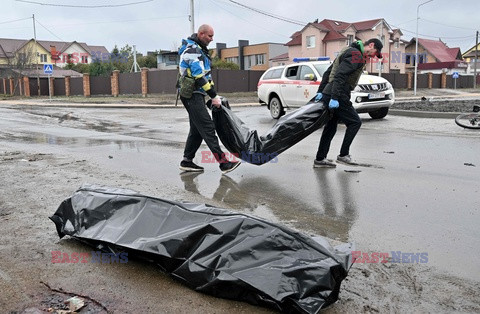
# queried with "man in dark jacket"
point(337, 83)
point(195, 63)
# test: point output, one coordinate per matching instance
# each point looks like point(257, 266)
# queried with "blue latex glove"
point(333, 104)
point(318, 97)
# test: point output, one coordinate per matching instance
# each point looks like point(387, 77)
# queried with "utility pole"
point(191, 18)
point(475, 64)
point(416, 50)
point(380, 60)
point(36, 54)
point(135, 66)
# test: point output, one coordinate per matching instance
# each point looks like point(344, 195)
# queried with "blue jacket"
point(195, 62)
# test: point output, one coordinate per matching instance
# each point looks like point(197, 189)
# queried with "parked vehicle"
point(293, 85)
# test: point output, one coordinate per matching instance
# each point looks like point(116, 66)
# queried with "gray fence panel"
point(59, 87)
point(76, 86)
point(449, 81)
point(162, 81)
point(130, 83)
point(100, 85)
point(253, 78)
point(229, 81)
point(422, 81)
point(465, 81)
point(436, 81)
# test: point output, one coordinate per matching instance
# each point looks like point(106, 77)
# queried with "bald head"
point(205, 34)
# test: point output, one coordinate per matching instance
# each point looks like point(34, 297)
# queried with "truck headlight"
point(389, 86)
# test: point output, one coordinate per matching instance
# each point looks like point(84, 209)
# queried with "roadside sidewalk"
point(99, 104)
point(436, 94)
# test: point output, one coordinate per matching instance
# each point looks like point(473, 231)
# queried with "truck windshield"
point(321, 68)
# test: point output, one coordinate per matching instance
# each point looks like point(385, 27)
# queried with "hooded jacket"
point(195, 62)
point(343, 74)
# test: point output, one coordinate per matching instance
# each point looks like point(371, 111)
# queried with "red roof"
point(439, 50)
point(338, 26)
point(283, 56)
point(297, 40)
point(364, 25)
point(443, 65)
point(332, 35)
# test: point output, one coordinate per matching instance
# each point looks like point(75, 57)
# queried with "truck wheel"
point(379, 114)
point(276, 108)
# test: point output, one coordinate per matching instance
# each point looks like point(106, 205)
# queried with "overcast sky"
point(161, 24)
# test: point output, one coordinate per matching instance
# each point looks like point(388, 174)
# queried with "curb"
point(104, 105)
point(423, 114)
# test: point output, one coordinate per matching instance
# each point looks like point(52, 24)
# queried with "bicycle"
point(469, 120)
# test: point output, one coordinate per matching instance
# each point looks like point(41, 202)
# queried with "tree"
point(217, 63)
point(17, 64)
point(122, 59)
point(147, 61)
point(98, 68)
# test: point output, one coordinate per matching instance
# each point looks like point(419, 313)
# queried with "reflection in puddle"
point(326, 208)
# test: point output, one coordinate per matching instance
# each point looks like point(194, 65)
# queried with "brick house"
point(329, 37)
point(250, 57)
point(434, 56)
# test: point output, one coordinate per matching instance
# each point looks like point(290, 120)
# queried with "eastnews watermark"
point(393, 57)
point(209, 158)
point(97, 56)
point(89, 257)
point(390, 257)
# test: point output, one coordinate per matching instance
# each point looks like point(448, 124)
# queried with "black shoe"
point(229, 166)
point(190, 166)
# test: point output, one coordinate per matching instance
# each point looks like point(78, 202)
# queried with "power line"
point(431, 36)
point(260, 26)
point(11, 21)
point(85, 6)
point(470, 29)
point(64, 42)
point(123, 21)
point(278, 17)
point(49, 30)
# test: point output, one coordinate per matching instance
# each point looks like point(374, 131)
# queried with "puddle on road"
point(42, 138)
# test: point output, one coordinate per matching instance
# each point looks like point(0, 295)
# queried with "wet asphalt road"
point(421, 194)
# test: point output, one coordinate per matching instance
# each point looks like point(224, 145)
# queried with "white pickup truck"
point(295, 84)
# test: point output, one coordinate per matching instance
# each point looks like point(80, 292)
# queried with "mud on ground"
point(35, 183)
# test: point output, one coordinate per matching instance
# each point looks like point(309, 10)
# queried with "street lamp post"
point(416, 51)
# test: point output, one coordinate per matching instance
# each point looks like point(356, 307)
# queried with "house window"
point(421, 58)
point(249, 61)
point(349, 40)
point(84, 59)
point(310, 41)
point(396, 44)
point(22, 57)
point(260, 59)
point(43, 58)
point(232, 59)
point(407, 59)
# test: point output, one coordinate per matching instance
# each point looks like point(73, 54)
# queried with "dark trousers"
point(201, 128)
point(347, 114)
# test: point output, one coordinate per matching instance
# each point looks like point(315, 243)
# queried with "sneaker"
point(347, 160)
point(324, 163)
point(229, 166)
point(190, 166)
